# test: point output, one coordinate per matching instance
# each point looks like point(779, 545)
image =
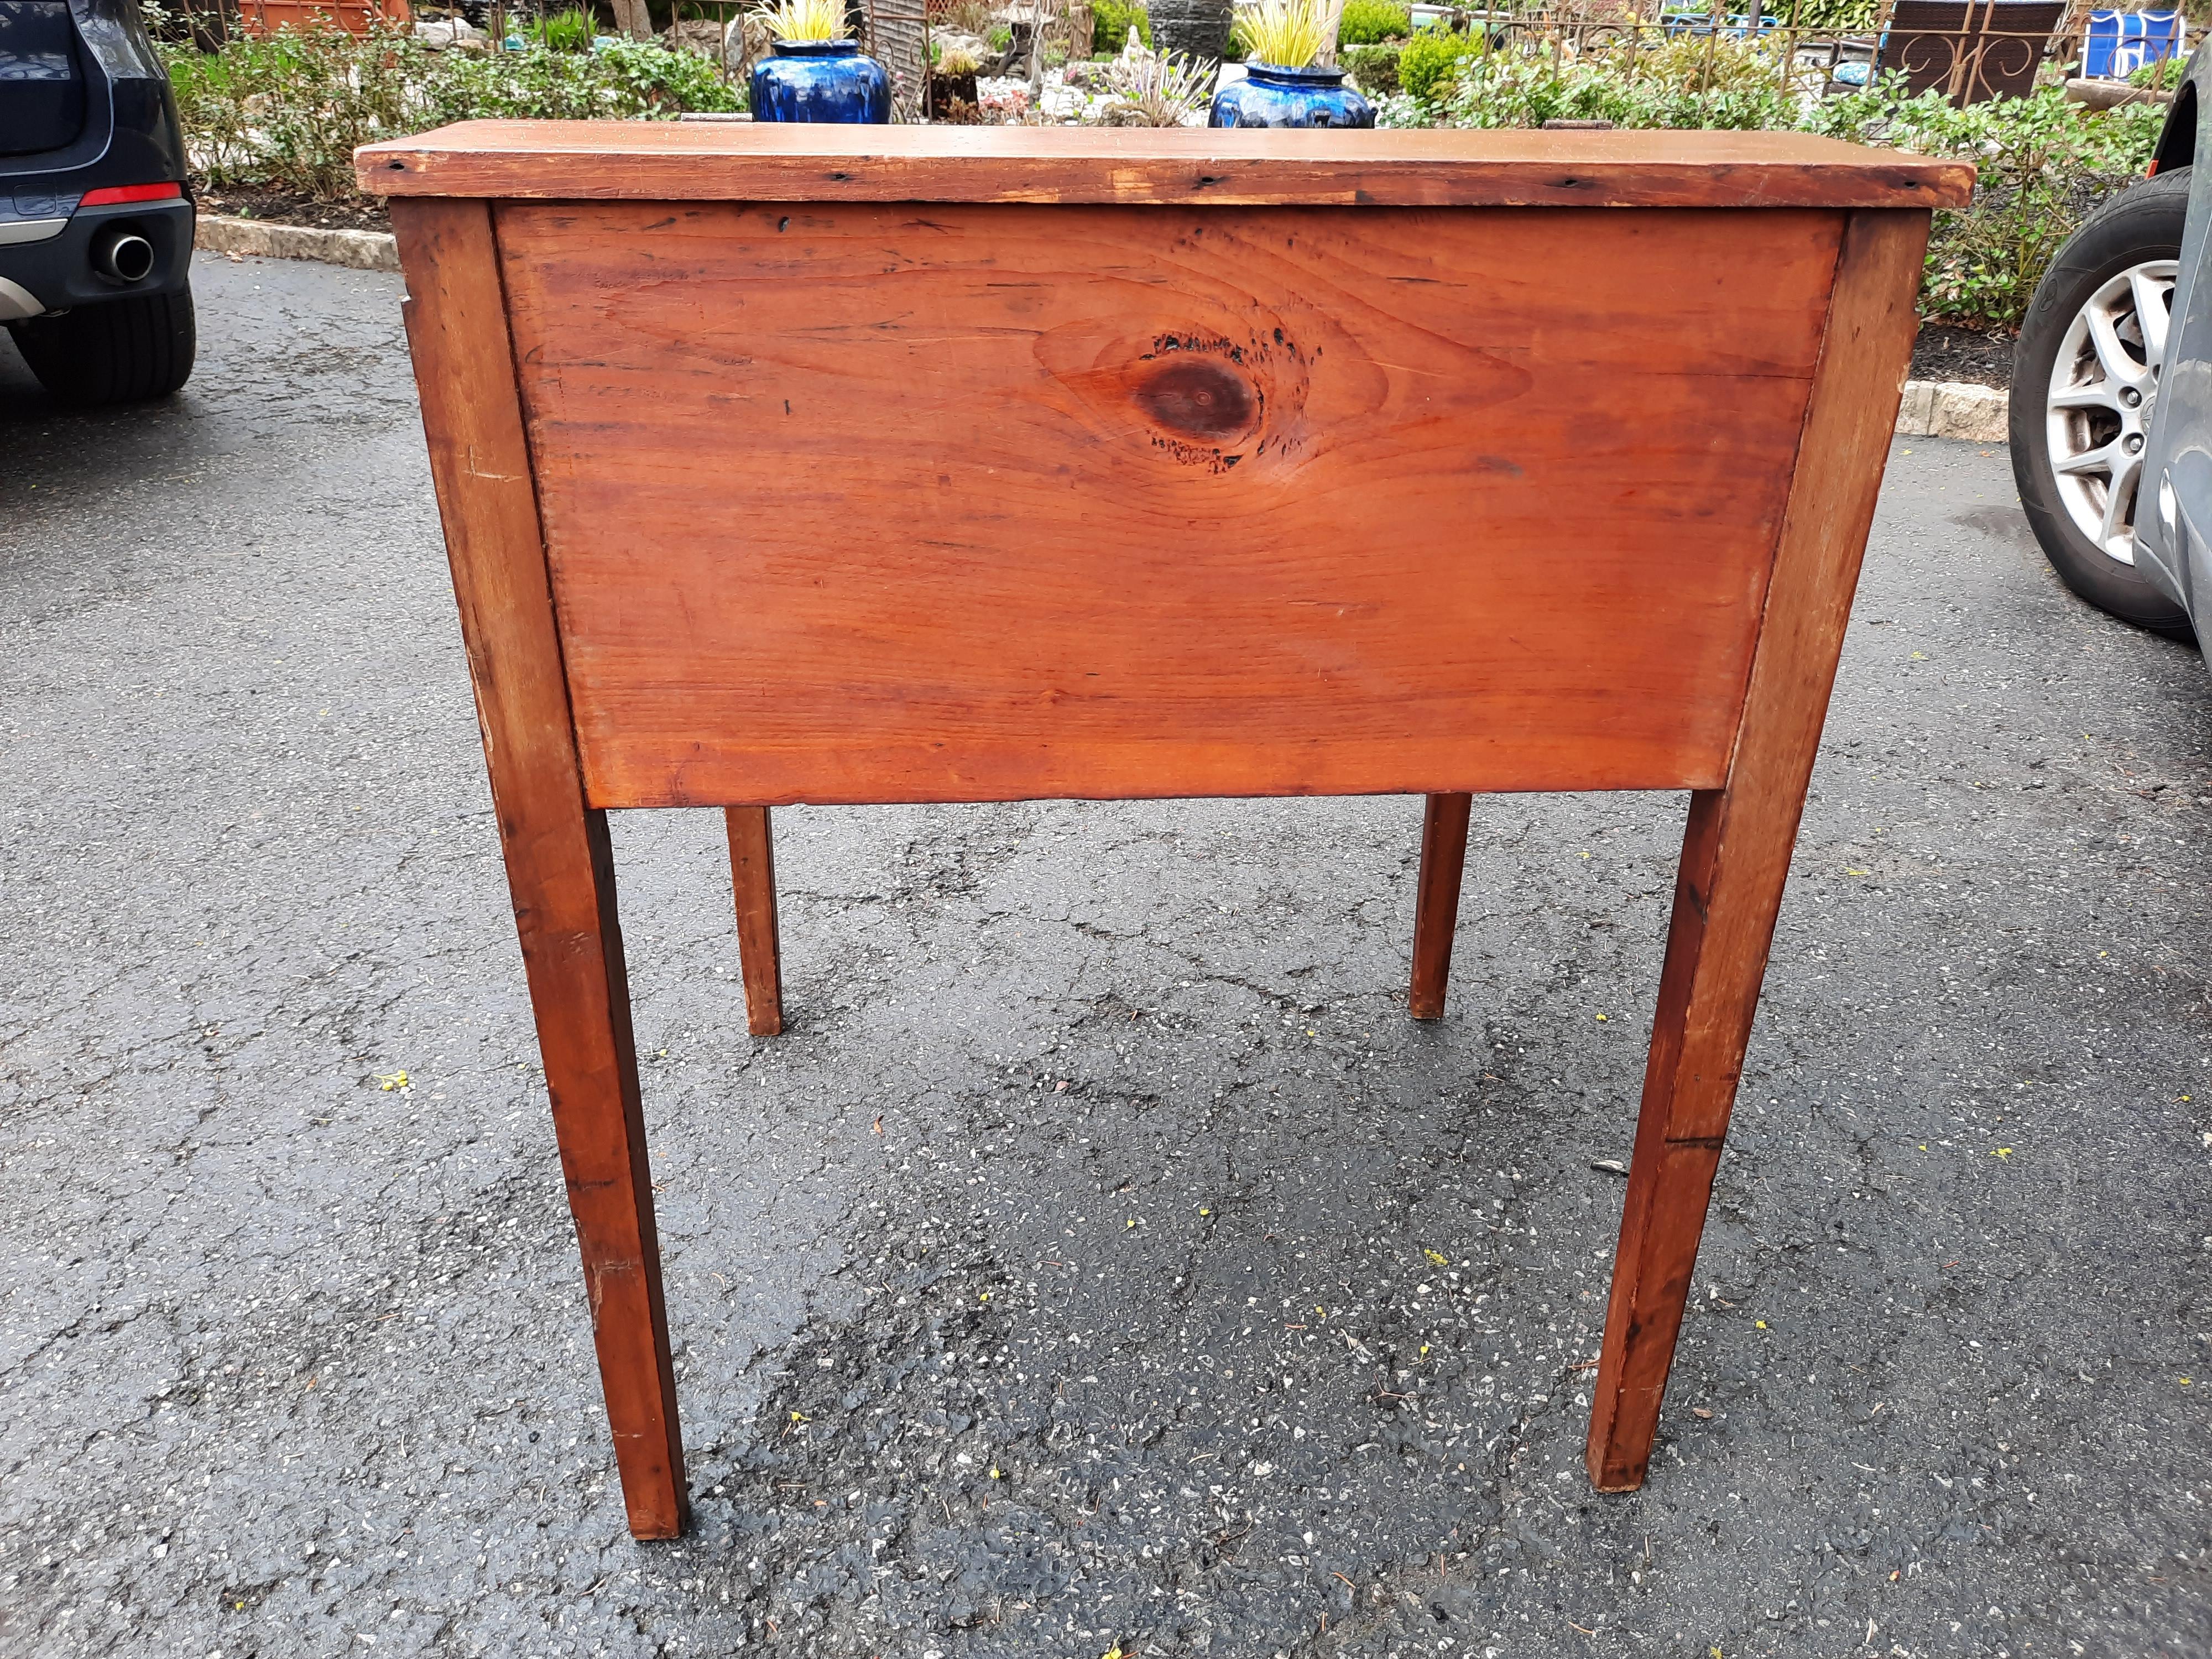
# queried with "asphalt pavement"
point(1102, 1259)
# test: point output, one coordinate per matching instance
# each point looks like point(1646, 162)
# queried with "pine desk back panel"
point(960, 502)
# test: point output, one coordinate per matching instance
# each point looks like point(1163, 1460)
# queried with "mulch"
point(1946, 351)
point(286, 207)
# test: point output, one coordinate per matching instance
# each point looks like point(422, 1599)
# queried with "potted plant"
point(1285, 84)
point(816, 73)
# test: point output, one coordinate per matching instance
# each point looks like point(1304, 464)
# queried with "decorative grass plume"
point(804, 20)
point(1166, 90)
point(1287, 34)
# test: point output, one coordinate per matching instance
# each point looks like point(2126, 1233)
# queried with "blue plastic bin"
point(2121, 42)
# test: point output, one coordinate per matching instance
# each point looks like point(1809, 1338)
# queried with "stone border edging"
point(358, 250)
point(1931, 409)
point(1954, 409)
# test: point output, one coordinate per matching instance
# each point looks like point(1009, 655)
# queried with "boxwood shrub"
point(1367, 22)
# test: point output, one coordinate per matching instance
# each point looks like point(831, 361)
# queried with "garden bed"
point(1947, 351)
point(290, 207)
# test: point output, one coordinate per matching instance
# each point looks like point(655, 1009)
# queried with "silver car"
point(2111, 398)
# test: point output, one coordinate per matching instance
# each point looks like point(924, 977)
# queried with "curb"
point(358, 250)
point(1931, 409)
point(1954, 409)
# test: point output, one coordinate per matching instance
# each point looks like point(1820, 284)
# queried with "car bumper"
point(54, 270)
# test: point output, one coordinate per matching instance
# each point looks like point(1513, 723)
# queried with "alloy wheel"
point(2103, 387)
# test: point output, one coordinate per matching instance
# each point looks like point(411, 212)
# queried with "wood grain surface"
point(664, 160)
point(1735, 854)
point(559, 868)
point(760, 945)
point(877, 503)
point(1436, 900)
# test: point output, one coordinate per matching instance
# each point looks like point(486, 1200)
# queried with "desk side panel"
point(882, 502)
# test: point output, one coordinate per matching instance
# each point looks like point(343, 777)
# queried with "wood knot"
point(1196, 396)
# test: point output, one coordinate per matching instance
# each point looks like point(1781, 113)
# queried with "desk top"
point(663, 160)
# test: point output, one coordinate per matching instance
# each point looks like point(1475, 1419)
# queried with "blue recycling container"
point(2121, 42)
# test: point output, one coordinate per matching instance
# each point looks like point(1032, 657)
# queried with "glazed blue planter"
point(1270, 96)
point(821, 80)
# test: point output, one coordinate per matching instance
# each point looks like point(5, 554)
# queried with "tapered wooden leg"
point(559, 871)
point(760, 954)
point(1436, 901)
point(579, 988)
point(1735, 854)
point(1689, 1087)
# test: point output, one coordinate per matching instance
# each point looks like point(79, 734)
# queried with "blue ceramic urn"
point(1271, 96)
point(821, 80)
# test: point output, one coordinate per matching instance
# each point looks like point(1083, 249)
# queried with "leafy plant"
point(1365, 22)
point(573, 30)
point(804, 20)
point(1830, 16)
point(2044, 163)
point(287, 112)
point(1688, 81)
point(1147, 91)
point(1432, 60)
point(1374, 68)
point(1111, 23)
point(1288, 34)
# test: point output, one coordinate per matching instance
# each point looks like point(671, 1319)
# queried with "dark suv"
point(95, 218)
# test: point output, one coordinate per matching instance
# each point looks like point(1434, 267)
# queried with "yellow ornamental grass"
point(804, 20)
point(1287, 34)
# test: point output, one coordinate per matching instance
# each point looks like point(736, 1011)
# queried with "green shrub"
point(2044, 165)
point(1367, 22)
point(1838, 16)
point(1111, 21)
point(287, 112)
point(1375, 67)
point(573, 30)
point(1430, 61)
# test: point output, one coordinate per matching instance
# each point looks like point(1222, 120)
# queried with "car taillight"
point(111, 194)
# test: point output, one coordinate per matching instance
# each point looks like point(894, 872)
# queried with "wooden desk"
point(915, 464)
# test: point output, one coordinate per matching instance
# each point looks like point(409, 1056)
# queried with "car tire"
point(2136, 232)
point(119, 351)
